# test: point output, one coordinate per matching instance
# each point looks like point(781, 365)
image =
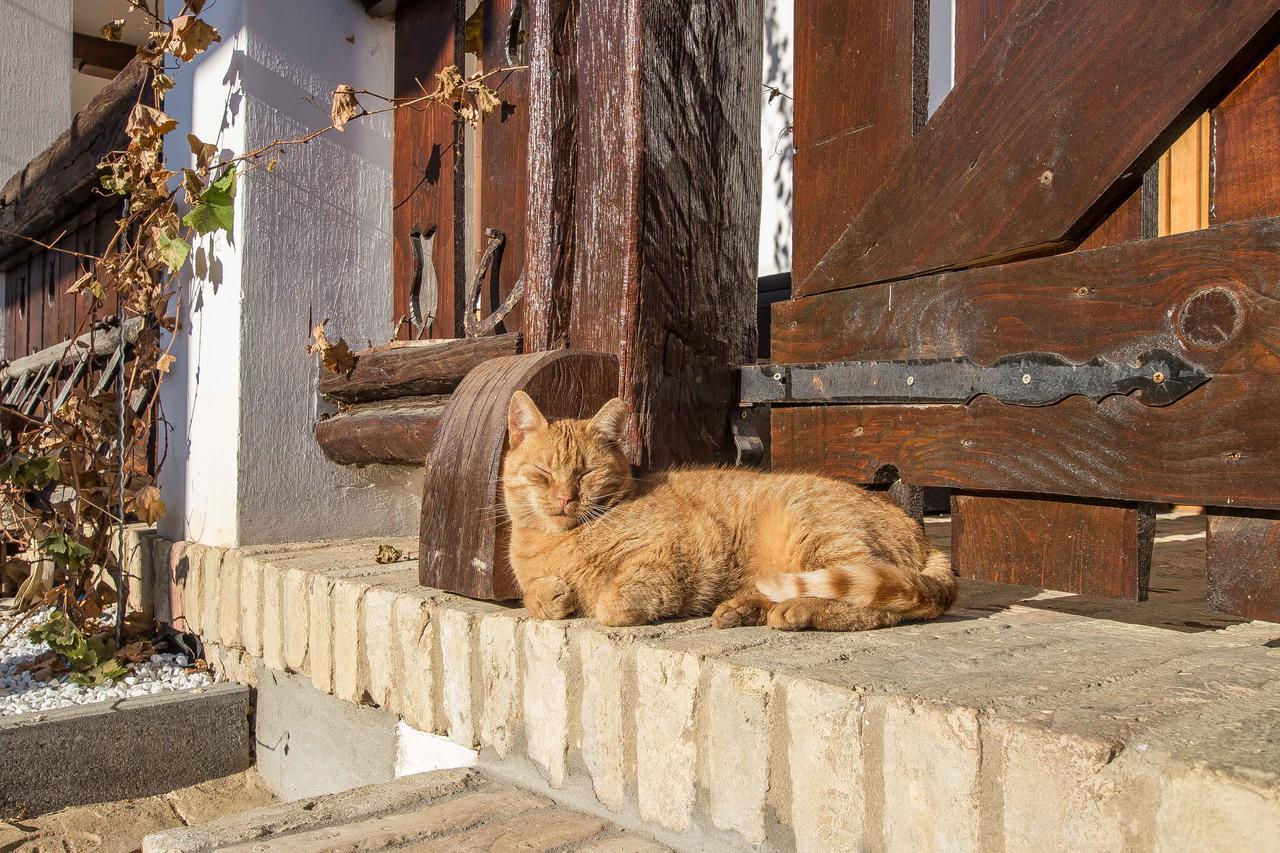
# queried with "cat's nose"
point(564, 501)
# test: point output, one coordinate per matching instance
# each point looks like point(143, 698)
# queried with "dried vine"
point(71, 476)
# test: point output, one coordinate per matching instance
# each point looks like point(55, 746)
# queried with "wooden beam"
point(1087, 547)
point(1243, 560)
point(463, 547)
point(388, 432)
point(1034, 146)
point(61, 181)
point(103, 342)
point(112, 56)
point(417, 368)
point(857, 101)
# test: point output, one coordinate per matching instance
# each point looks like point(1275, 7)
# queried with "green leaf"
point(216, 209)
point(26, 473)
point(173, 250)
point(65, 553)
point(103, 673)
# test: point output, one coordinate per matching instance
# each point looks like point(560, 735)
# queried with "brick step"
point(1023, 720)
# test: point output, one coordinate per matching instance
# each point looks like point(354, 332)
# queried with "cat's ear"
point(523, 418)
point(609, 421)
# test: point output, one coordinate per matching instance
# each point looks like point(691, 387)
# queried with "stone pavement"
point(119, 827)
point(1023, 720)
point(448, 810)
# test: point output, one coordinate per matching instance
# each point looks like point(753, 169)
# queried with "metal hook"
point(424, 273)
point(515, 33)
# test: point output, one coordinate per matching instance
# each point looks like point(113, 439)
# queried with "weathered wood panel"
point(1243, 558)
point(550, 222)
point(666, 202)
point(1209, 296)
point(857, 101)
point(463, 538)
point(1072, 545)
point(426, 166)
point(389, 432)
point(61, 181)
point(1034, 175)
point(414, 369)
point(503, 162)
point(1246, 147)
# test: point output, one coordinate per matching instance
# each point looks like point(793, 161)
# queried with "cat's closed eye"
point(535, 473)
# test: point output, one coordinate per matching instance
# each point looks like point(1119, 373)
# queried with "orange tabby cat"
point(789, 550)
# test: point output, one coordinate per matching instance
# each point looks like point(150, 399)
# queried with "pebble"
point(20, 694)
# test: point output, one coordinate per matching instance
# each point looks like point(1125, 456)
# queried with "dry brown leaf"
point(336, 356)
point(189, 36)
point(389, 554)
point(146, 504)
point(206, 153)
point(473, 32)
point(148, 124)
point(164, 362)
point(139, 651)
point(345, 107)
point(114, 30)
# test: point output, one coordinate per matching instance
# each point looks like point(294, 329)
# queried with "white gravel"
point(20, 694)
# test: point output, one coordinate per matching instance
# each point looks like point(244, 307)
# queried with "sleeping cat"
point(792, 551)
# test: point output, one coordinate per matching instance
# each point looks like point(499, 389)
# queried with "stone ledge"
point(1012, 723)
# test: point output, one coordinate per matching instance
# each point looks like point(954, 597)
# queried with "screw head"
point(911, 380)
point(1026, 379)
point(777, 377)
point(1157, 377)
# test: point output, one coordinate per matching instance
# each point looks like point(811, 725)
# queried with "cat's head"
point(559, 475)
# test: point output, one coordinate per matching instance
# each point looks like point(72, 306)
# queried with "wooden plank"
point(388, 432)
point(1243, 560)
point(503, 163)
point(61, 180)
point(1073, 545)
point(426, 165)
point(44, 329)
point(102, 342)
point(552, 148)
point(1000, 171)
point(1246, 147)
point(414, 370)
point(855, 110)
point(1184, 181)
point(98, 53)
point(463, 547)
point(666, 204)
point(1208, 296)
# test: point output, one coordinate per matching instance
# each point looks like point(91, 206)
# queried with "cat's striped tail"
point(874, 584)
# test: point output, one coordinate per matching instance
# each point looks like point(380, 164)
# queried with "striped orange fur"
point(789, 550)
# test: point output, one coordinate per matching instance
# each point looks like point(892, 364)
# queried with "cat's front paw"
point(550, 598)
point(742, 611)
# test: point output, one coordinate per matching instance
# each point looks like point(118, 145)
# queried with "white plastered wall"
point(35, 78)
point(312, 240)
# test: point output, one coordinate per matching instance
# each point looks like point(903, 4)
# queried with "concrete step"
point(448, 810)
point(1024, 720)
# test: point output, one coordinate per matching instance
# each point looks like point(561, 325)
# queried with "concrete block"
point(737, 760)
point(251, 605)
point(457, 633)
point(378, 644)
point(296, 599)
point(501, 708)
point(826, 759)
point(311, 743)
point(666, 746)
point(931, 796)
point(229, 629)
point(272, 616)
point(606, 711)
point(350, 673)
point(1202, 810)
point(1062, 790)
point(546, 703)
point(138, 571)
point(415, 652)
point(210, 595)
point(320, 631)
point(111, 750)
point(186, 577)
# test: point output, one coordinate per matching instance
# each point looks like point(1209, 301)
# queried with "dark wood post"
point(644, 204)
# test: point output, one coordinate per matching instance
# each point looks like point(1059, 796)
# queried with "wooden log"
point(463, 545)
point(427, 169)
point(59, 182)
point(414, 369)
point(1034, 146)
point(1243, 561)
point(1087, 547)
point(387, 432)
point(857, 101)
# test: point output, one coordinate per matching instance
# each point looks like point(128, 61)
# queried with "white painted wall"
point(35, 78)
point(777, 146)
point(312, 240)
